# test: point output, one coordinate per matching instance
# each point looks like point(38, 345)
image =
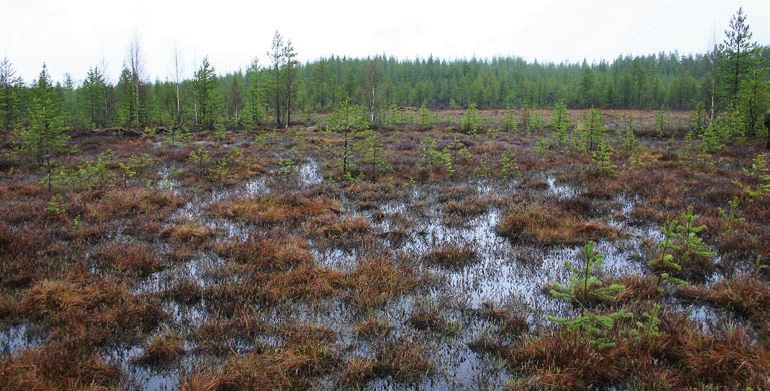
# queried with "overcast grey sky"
point(73, 35)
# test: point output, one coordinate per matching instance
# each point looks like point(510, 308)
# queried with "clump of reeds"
point(405, 360)
point(745, 295)
point(19, 265)
point(274, 251)
point(222, 336)
point(452, 256)
point(185, 290)
point(136, 258)
point(309, 282)
point(306, 354)
point(188, 231)
point(373, 329)
point(68, 360)
point(200, 380)
point(376, 281)
point(131, 202)
point(430, 319)
point(374, 193)
point(273, 209)
point(55, 299)
point(547, 224)
point(163, 348)
point(346, 232)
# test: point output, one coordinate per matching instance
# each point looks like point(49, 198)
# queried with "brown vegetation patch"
point(275, 251)
point(106, 304)
point(565, 362)
point(309, 282)
point(452, 256)
point(129, 257)
point(373, 329)
point(273, 209)
point(429, 319)
point(549, 225)
point(163, 348)
point(744, 295)
point(405, 360)
point(18, 266)
point(188, 231)
point(306, 354)
point(603, 188)
point(375, 281)
point(378, 192)
point(637, 288)
point(185, 290)
point(119, 202)
point(346, 232)
point(221, 337)
point(456, 212)
point(577, 206)
point(67, 362)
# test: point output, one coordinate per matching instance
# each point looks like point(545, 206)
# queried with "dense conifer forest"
point(246, 98)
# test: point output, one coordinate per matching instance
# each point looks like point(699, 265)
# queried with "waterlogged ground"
point(403, 279)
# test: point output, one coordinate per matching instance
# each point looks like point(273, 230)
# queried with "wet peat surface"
point(278, 266)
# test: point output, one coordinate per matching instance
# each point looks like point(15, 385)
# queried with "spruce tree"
point(93, 90)
point(204, 85)
point(9, 99)
point(45, 134)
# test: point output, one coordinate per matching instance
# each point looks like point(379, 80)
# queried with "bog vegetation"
point(374, 246)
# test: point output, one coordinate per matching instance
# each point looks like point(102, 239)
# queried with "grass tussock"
point(306, 353)
point(188, 232)
point(347, 232)
point(452, 256)
point(184, 290)
point(200, 380)
point(745, 295)
point(376, 281)
point(547, 224)
point(275, 251)
point(221, 337)
point(457, 213)
point(373, 329)
point(374, 193)
point(672, 354)
point(136, 258)
point(18, 260)
point(308, 283)
point(163, 348)
point(55, 298)
point(67, 361)
point(430, 319)
point(273, 209)
point(102, 304)
point(404, 360)
point(129, 202)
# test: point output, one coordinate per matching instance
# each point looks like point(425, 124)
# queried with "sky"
point(74, 35)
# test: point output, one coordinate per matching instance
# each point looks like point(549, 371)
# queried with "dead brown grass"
point(452, 256)
point(163, 348)
point(273, 209)
point(744, 295)
point(129, 257)
point(376, 281)
point(275, 251)
point(546, 224)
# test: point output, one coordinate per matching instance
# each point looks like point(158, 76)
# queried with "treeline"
point(285, 91)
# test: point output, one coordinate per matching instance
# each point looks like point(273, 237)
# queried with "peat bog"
point(442, 259)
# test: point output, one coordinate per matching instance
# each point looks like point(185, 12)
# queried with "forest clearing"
point(465, 249)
